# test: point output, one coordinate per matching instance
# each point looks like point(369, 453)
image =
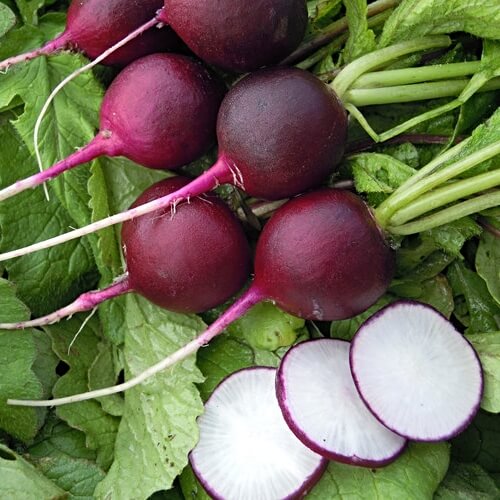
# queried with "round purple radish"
point(160, 112)
point(283, 130)
point(238, 35)
point(322, 406)
point(322, 256)
point(417, 374)
point(246, 449)
point(93, 26)
point(187, 261)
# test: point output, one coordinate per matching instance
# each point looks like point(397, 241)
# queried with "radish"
point(418, 375)
point(159, 112)
point(93, 26)
point(188, 262)
point(245, 449)
point(328, 415)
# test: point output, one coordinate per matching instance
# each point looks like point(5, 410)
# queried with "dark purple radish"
point(416, 373)
point(321, 256)
point(322, 407)
point(93, 26)
point(238, 35)
point(246, 449)
point(186, 262)
point(160, 112)
point(281, 131)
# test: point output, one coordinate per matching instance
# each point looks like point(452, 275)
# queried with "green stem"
point(355, 113)
point(448, 215)
point(328, 34)
point(380, 57)
point(402, 197)
point(415, 75)
point(414, 92)
point(446, 195)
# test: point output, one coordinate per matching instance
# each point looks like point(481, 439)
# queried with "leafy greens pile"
point(137, 446)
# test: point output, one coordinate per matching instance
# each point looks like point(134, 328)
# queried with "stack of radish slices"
point(408, 374)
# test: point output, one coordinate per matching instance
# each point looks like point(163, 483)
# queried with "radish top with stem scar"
point(160, 112)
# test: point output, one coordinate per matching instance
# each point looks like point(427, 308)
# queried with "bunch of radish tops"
point(318, 180)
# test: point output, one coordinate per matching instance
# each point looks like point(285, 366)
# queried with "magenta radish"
point(246, 449)
point(188, 262)
point(328, 415)
point(416, 373)
point(93, 26)
point(160, 112)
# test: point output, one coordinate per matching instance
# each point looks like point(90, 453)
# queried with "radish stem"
point(448, 215)
point(445, 195)
point(85, 302)
point(407, 76)
point(414, 92)
point(379, 57)
point(238, 309)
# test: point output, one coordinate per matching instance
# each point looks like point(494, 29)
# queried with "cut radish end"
point(322, 406)
point(246, 450)
point(418, 375)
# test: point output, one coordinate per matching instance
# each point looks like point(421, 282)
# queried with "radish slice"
point(418, 375)
point(321, 405)
point(246, 450)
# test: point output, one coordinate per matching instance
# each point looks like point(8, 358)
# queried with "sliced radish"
point(419, 376)
point(246, 450)
point(322, 406)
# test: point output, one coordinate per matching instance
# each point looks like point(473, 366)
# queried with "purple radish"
point(160, 112)
point(238, 35)
point(328, 415)
point(93, 26)
point(246, 449)
point(281, 131)
point(188, 262)
point(416, 373)
point(321, 256)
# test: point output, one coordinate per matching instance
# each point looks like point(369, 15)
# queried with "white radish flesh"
point(246, 450)
point(418, 375)
point(322, 406)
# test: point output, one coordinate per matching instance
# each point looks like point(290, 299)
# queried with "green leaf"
point(77, 477)
point(467, 482)
point(483, 313)
point(378, 173)
point(29, 9)
point(158, 428)
point(414, 476)
point(7, 19)
point(49, 279)
point(18, 369)
point(361, 39)
point(87, 416)
point(19, 479)
point(480, 442)
point(416, 18)
point(488, 260)
point(487, 345)
point(451, 237)
point(191, 487)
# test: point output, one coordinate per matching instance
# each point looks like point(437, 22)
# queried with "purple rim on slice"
point(322, 406)
point(246, 450)
point(418, 375)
